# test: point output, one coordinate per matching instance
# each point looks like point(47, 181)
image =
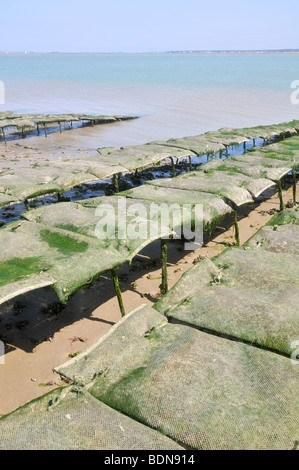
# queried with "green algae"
point(14, 269)
point(63, 243)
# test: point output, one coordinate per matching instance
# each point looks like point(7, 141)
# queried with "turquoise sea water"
point(261, 71)
point(175, 94)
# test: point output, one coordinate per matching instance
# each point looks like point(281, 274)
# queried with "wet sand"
point(38, 338)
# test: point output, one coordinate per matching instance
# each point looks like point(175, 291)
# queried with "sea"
point(173, 94)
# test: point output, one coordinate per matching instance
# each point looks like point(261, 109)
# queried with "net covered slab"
point(6, 199)
point(199, 145)
point(248, 167)
point(201, 390)
point(71, 259)
point(139, 156)
point(26, 183)
point(91, 165)
point(123, 224)
point(265, 132)
point(281, 238)
point(289, 216)
point(251, 293)
point(75, 242)
point(31, 121)
point(217, 141)
point(239, 189)
point(286, 150)
point(124, 337)
point(213, 207)
point(71, 419)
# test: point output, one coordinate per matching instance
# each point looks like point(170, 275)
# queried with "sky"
point(148, 25)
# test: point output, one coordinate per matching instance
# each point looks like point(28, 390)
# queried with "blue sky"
point(148, 25)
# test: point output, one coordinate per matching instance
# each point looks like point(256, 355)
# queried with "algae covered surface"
point(71, 419)
point(208, 368)
point(249, 293)
point(201, 390)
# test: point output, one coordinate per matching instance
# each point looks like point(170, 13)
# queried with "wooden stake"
point(116, 183)
point(190, 163)
point(173, 166)
point(164, 284)
point(4, 137)
point(118, 291)
point(237, 230)
point(294, 186)
point(282, 206)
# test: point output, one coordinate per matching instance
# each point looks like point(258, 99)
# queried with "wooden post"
point(46, 135)
point(244, 146)
point(294, 186)
point(282, 207)
point(27, 205)
point(60, 130)
point(173, 166)
point(37, 127)
point(237, 230)
point(253, 142)
point(190, 163)
point(4, 136)
point(164, 284)
point(116, 183)
point(118, 291)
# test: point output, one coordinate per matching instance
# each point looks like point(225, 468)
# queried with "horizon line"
point(179, 51)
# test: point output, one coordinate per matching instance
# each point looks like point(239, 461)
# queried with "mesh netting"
point(239, 165)
point(208, 392)
point(71, 419)
point(122, 338)
point(71, 259)
point(201, 390)
point(140, 156)
point(75, 242)
point(5, 200)
point(218, 388)
point(290, 216)
point(197, 144)
point(213, 142)
point(280, 238)
point(213, 206)
point(238, 188)
point(250, 293)
point(25, 183)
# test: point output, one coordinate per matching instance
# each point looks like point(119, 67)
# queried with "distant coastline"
point(195, 52)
